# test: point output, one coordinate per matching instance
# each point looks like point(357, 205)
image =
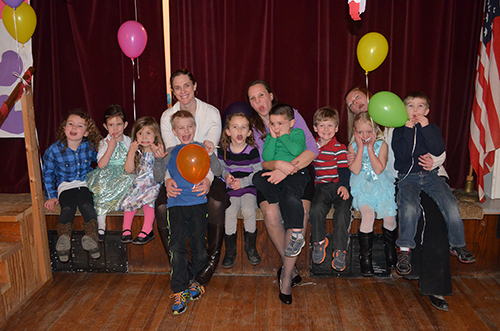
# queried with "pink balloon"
point(13, 3)
point(132, 37)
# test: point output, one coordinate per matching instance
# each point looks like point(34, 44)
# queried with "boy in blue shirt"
point(419, 137)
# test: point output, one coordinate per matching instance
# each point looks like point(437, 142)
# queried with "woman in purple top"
point(261, 98)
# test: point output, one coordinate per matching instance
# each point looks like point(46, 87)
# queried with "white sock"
point(404, 249)
point(101, 220)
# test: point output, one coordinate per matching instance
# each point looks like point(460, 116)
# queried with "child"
point(416, 138)
point(332, 182)
point(241, 160)
point(110, 181)
point(372, 186)
point(186, 215)
point(65, 164)
point(144, 189)
point(285, 143)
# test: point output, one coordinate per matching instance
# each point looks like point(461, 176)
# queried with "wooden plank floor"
point(98, 301)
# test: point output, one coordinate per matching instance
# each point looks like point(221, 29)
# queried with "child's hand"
point(229, 179)
point(235, 183)
point(426, 161)
point(134, 147)
point(343, 192)
point(271, 131)
point(424, 121)
point(359, 140)
point(209, 146)
point(202, 187)
point(370, 141)
point(172, 190)
point(158, 150)
point(285, 129)
point(410, 123)
point(51, 203)
point(112, 143)
point(275, 176)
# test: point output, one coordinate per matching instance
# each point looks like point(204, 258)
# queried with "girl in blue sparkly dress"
point(372, 186)
point(109, 182)
point(144, 189)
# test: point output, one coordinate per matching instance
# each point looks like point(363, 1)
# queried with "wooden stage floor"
point(100, 301)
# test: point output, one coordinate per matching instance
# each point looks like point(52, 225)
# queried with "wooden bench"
point(152, 257)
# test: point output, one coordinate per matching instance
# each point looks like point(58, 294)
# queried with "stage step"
point(7, 249)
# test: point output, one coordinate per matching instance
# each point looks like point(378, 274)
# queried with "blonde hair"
point(366, 118)
point(140, 124)
point(181, 114)
point(225, 140)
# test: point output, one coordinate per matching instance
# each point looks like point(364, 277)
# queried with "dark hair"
point(179, 72)
point(138, 126)
point(255, 120)
point(325, 114)
point(225, 140)
point(181, 114)
point(283, 109)
point(114, 111)
point(94, 136)
point(417, 94)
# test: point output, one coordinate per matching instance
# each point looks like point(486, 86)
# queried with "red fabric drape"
point(305, 49)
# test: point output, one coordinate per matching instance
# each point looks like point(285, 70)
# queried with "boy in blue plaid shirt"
point(65, 164)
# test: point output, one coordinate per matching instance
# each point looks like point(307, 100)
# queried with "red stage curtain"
point(305, 49)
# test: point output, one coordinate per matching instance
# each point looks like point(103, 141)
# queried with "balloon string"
point(133, 89)
point(366, 83)
point(135, 5)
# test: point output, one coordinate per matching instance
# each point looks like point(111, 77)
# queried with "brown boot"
point(90, 241)
point(63, 245)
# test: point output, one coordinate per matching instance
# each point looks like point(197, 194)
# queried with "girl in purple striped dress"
point(241, 160)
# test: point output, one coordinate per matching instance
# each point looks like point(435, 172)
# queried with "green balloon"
point(387, 109)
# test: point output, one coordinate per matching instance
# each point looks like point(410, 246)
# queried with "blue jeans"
point(408, 198)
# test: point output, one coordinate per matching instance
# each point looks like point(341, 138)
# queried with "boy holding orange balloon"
point(416, 138)
point(186, 212)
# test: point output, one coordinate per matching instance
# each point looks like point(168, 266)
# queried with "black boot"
point(253, 256)
point(391, 253)
point(230, 258)
point(365, 253)
point(215, 237)
point(164, 233)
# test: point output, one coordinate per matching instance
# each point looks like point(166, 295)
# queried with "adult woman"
point(261, 98)
point(431, 258)
point(208, 127)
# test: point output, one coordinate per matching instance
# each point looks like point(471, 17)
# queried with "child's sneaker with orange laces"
point(196, 290)
point(180, 302)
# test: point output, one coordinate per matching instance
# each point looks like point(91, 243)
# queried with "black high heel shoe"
point(285, 298)
point(295, 280)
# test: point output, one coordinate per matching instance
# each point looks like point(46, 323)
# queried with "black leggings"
point(72, 198)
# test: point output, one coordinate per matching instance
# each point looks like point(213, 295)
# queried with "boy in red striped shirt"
point(331, 187)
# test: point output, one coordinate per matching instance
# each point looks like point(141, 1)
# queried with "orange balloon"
point(193, 163)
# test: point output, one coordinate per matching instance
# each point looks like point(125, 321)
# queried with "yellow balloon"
point(372, 50)
point(25, 19)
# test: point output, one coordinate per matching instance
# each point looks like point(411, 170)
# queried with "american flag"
point(485, 124)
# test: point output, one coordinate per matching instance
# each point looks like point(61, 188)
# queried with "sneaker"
point(403, 266)
point(180, 302)
point(319, 251)
point(295, 246)
point(338, 263)
point(463, 254)
point(196, 291)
